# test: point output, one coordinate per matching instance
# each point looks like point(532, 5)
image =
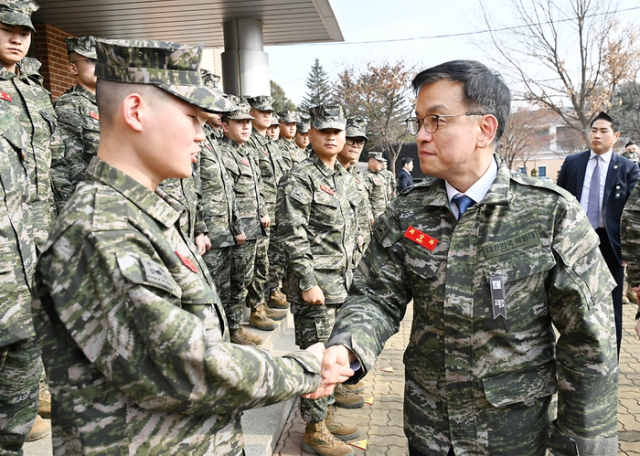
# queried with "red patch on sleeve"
point(327, 189)
point(5, 96)
point(421, 238)
point(94, 115)
point(187, 262)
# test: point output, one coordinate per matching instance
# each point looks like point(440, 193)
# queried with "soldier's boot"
point(278, 300)
point(241, 336)
point(44, 410)
point(357, 388)
point(260, 320)
point(318, 440)
point(347, 399)
point(40, 429)
point(340, 430)
point(274, 314)
point(631, 296)
point(625, 299)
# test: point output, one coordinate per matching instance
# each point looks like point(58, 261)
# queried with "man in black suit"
point(404, 176)
point(602, 181)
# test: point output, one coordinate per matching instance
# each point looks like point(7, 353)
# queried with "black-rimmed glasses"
point(431, 122)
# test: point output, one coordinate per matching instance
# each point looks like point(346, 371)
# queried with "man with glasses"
point(493, 261)
point(377, 184)
point(78, 131)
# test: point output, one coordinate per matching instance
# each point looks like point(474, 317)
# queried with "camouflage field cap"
point(328, 116)
point(289, 116)
point(303, 126)
point(84, 45)
point(18, 12)
point(275, 120)
point(240, 109)
point(172, 67)
point(261, 103)
point(210, 79)
point(377, 156)
point(357, 127)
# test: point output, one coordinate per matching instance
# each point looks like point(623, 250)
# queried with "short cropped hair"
point(484, 90)
point(110, 94)
point(615, 123)
point(630, 143)
point(405, 161)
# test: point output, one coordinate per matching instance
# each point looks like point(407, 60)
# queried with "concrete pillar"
point(245, 65)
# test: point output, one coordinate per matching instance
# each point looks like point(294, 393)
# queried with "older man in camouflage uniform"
point(377, 184)
point(493, 261)
point(133, 334)
point(291, 153)
point(22, 93)
point(317, 209)
point(78, 121)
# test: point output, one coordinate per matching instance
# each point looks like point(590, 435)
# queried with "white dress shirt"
point(477, 191)
point(605, 159)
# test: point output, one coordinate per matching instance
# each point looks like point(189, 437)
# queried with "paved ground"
point(381, 423)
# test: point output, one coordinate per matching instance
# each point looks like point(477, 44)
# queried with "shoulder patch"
point(69, 119)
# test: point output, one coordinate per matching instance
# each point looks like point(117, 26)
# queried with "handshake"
point(335, 362)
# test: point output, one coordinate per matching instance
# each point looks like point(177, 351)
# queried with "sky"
point(375, 20)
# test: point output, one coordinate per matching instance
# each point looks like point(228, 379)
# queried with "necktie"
point(463, 202)
point(593, 209)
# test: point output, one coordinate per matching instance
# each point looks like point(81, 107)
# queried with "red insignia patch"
point(357, 181)
point(5, 96)
point(208, 146)
point(187, 262)
point(245, 162)
point(94, 115)
point(327, 189)
point(421, 238)
point(376, 180)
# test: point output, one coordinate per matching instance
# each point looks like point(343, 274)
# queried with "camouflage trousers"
point(276, 262)
point(257, 288)
point(20, 372)
point(241, 259)
point(314, 324)
point(218, 261)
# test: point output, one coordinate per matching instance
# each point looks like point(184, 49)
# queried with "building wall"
point(552, 165)
point(49, 47)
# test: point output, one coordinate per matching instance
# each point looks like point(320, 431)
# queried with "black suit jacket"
point(622, 176)
point(404, 180)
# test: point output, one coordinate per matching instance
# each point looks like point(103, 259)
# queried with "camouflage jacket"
point(188, 194)
point(218, 204)
point(134, 338)
point(272, 167)
point(378, 192)
point(317, 209)
point(17, 249)
point(291, 153)
point(27, 99)
point(364, 210)
point(245, 174)
point(630, 236)
point(77, 138)
point(633, 156)
point(476, 380)
point(391, 184)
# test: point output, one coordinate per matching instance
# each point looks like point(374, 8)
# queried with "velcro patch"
point(519, 242)
point(5, 96)
point(156, 274)
point(329, 190)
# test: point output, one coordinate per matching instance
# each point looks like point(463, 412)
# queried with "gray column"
point(245, 65)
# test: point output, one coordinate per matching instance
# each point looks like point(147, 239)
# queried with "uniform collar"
point(234, 145)
point(324, 168)
point(149, 202)
point(85, 93)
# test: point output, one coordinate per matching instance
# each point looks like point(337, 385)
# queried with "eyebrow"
point(435, 108)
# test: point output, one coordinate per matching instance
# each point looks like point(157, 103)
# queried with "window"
point(542, 171)
point(523, 170)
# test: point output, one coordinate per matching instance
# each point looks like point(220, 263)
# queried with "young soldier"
point(78, 121)
point(391, 181)
point(302, 136)
point(245, 173)
point(215, 132)
point(291, 153)
point(273, 131)
point(134, 338)
point(317, 209)
point(377, 184)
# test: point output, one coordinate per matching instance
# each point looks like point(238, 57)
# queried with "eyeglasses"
point(94, 61)
point(356, 142)
point(431, 122)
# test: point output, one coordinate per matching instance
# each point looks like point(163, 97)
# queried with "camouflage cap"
point(210, 79)
point(289, 116)
point(240, 109)
point(172, 67)
point(18, 12)
point(261, 103)
point(357, 127)
point(275, 120)
point(83, 45)
point(303, 126)
point(377, 156)
point(328, 116)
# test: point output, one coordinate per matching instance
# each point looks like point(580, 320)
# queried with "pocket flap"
point(521, 264)
point(324, 198)
point(332, 262)
point(522, 386)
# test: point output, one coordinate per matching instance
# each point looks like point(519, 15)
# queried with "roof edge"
point(325, 10)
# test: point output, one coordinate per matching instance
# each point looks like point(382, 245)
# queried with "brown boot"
point(274, 314)
point(318, 440)
point(346, 398)
point(278, 300)
point(340, 430)
point(357, 388)
point(631, 295)
point(241, 336)
point(40, 429)
point(260, 320)
point(44, 410)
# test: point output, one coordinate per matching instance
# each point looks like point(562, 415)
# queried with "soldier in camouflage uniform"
point(291, 153)
point(631, 152)
point(301, 137)
point(78, 129)
point(22, 93)
point(493, 261)
point(391, 181)
point(269, 264)
point(273, 131)
point(134, 337)
point(212, 80)
point(377, 184)
point(318, 228)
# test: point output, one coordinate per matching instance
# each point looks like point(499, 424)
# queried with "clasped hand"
point(335, 368)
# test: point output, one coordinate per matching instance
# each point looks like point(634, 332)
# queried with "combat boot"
point(40, 429)
point(278, 300)
point(631, 295)
point(318, 440)
point(346, 398)
point(340, 430)
point(274, 314)
point(357, 388)
point(241, 336)
point(260, 320)
point(44, 410)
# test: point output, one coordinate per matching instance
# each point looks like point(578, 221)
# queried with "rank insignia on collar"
point(329, 190)
point(245, 162)
point(187, 262)
point(357, 181)
point(421, 238)
point(5, 96)
point(94, 115)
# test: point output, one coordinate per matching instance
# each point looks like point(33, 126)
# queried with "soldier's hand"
point(313, 296)
point(371, 220)
point(317, 350)
point(207, 243)
point(201, 243)
point(266, 221)
point(335, 369)
point(360, 240)
point(241, 238)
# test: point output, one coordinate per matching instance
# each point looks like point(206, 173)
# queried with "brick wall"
point(49, 47)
